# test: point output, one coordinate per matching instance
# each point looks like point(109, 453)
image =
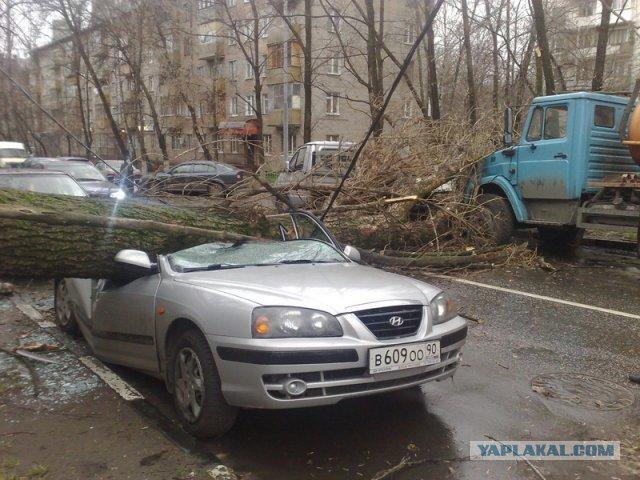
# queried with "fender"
point(518, 207)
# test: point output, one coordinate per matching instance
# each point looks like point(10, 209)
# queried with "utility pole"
point(285, 88)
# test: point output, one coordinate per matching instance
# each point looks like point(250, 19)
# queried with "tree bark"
point(472, 101)
point(51, 236)
point(543, 45)
point(432, 75)
point(601, 49)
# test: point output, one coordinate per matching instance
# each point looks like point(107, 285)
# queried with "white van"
point(12, 154)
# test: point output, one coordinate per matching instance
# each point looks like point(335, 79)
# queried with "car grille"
point(378, 320)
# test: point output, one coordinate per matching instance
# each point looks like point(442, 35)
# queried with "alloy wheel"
point(189, 384)
point(63, 304)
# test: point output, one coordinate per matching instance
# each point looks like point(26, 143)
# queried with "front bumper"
point(253, 371)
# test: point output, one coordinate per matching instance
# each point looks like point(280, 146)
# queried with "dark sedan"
point(85, 173)
point(195, 177)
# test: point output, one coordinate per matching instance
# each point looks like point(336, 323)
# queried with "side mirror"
point(137, 259)
point(352, 253)
point(507, 136)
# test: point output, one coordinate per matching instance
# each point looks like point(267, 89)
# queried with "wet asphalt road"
point(512, 340)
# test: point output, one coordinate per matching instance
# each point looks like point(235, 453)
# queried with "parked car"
point(41, 181)
point(269, 324)
point(314, 164)
point(84, 173)
point(195, 177)
point(12, 154)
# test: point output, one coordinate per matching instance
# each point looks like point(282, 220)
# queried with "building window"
point(619, 4)
point(265, 23)
point(293, 144)
point(409, 34)
point(333, 104)
point(407, 109)
point(233, 69)
point(277, 92)
point(231, 3)
point(206, 37)
point(333, 21)
point(231, 37)
point(334, 65)
point(234, 144)
point(249, 105)
point(176, 142)
point(619, 36)
point(587, 8)
point(275, 55)
point(248, 70)
point(265, 103)
point(267, 144)
point(150, 83)
point(233, 107)
point(202, 4)
point(333, 138)
point(218, 143)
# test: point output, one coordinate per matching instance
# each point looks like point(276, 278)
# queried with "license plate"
point(401, 357)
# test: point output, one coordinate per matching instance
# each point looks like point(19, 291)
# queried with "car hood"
point(334, 288)
point(98, 187)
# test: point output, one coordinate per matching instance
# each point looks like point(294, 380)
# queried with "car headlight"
point(118, 195)
point(291, 322)
point(443, 308)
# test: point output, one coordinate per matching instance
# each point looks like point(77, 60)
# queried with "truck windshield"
point(204, 257)
point(12, 153)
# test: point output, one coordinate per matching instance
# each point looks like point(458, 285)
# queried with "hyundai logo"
point(396, 321)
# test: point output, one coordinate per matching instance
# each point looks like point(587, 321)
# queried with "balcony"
point(208, 51)
point(278, 75)
point(274, 117)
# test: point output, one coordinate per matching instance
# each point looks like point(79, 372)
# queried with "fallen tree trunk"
point(447, 261)
point(51, 236)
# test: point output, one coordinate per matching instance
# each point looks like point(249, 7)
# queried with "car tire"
point(215, 189)
point(560, 239)
point(65, 317)
point(503, 221)
point(196, 387)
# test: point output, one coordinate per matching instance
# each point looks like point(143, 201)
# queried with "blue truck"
point(571, 169)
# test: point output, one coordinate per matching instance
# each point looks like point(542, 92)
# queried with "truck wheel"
point(502, 218)
point(560, 239)
point(65, 318)
point(197, 392)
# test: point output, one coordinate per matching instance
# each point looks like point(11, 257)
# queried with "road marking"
point(32, 313)
point(109, 377)
point(537, 297)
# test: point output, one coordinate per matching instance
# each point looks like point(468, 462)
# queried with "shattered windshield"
point(212, 256)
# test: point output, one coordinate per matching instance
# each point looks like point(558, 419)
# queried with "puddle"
point(583, 390)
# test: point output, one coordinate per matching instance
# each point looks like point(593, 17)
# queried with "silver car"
point(271, 324)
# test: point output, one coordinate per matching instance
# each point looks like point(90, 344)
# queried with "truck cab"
point(12, 154)
point(311, 167)
point(569, 143)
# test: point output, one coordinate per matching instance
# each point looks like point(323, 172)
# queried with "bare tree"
point(601, 49)
point(543, 46)
point(472, 101)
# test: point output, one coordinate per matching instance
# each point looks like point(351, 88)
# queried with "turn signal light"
point(261, 325)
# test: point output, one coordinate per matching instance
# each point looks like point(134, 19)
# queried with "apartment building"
point(574, 38)
point(200, 77)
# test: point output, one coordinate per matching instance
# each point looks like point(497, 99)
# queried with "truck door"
point(544, 158)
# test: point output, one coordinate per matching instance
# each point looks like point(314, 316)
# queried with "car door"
point(180, 178)
point(123, 322)
point(545, 154)
point(203, 174)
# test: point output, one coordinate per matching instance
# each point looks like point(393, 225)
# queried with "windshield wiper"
point(300, 261)
point(209, 268)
